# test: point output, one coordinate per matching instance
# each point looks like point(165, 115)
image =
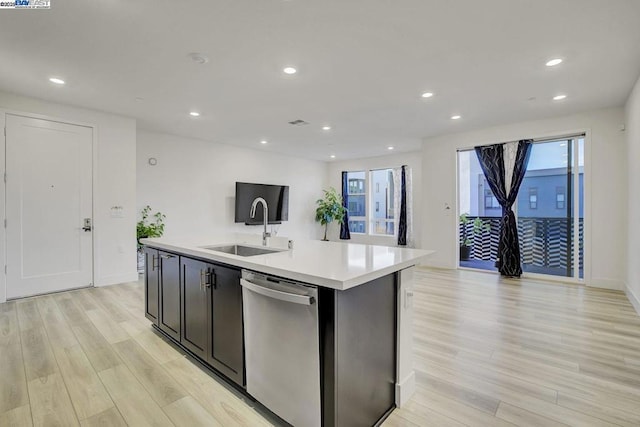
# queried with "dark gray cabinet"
point(151, 282)
point(227, 343)
point(199, 305)
point(197, 278)
point(358, 336)
point(169, 289)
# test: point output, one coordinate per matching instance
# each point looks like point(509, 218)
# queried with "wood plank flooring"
point(502, 352)
point(488, 352)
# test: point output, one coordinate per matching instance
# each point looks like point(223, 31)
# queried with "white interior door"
point(49, 198)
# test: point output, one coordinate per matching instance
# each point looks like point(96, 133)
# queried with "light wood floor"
point(498, 352)
point(488, 352)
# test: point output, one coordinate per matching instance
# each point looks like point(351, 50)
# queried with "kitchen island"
point(320, 334)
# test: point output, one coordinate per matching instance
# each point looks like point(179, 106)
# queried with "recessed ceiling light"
point(333, 156)
point(559, 97)
point(427, 95)
point(390, 147)
point(326, 127)
point(456, 117)
point(264, 141)
point(194, 114)
point(290, 70)
point(56, 80)
point(199, 58)
point(553, 62)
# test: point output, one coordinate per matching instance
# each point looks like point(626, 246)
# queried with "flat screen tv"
point(277, 197)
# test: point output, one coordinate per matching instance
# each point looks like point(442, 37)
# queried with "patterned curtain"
point(344, 227)
point(403, 205)
point(402, 221)
point(504, 166)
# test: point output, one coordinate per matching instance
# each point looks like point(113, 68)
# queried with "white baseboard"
point(635, 301)
point(606, 283)
point(115, 279)
point(405, 389)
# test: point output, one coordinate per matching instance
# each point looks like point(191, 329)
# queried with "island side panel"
point(405, 376)
point(364, 354)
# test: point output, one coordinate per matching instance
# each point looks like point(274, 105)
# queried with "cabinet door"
point(196, 297)
point(227, 344)
point(151, 276)
point(170, 294)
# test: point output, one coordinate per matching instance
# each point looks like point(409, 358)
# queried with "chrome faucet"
point(266, 217)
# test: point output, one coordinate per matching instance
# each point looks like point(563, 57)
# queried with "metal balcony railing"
point(546, 244)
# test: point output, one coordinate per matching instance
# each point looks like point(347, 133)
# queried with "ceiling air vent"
point(298, 122)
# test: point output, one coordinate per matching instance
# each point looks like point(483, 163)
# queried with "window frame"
point(364, 218)
point(370, 205)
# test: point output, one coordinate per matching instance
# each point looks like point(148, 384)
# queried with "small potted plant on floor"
point(479, 227)
point(329, 209)
point(465, 242)
point(150, 225)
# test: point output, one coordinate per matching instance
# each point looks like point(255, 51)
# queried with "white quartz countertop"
point(336, 265)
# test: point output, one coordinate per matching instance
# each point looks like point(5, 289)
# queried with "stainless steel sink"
point(242, 250)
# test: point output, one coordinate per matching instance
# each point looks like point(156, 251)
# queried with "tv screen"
point(277, 197)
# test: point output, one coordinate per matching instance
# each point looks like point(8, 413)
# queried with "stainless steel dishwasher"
point(282, 347)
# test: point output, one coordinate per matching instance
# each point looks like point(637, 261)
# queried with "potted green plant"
point(465, 241)
point(330, 209)
point(150, 225)
point(479, 226)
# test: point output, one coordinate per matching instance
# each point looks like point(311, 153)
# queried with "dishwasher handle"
point(275, 294)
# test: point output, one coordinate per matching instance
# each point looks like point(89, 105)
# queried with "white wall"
point(413, 160)
point(632, 121)
point(605, 198)
point(114, 185)
point(193, 184)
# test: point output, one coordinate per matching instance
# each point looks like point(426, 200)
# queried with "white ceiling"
point(362, 65)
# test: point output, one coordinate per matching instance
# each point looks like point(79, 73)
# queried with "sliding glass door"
point(549, 211)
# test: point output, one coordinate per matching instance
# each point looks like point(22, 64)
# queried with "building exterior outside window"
point(533, 198)
point(560, 198)
point(371, 202)
point(357, 201)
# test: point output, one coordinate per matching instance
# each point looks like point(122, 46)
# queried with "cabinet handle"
point(154, 263)
point(167, 256)
point(207, 279)
point(203, 279)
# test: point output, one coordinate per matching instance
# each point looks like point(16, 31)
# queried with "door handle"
point(87, 224)
point(276, 294)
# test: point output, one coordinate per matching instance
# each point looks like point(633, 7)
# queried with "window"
point(560, 198)
point(356, 201)
point(549, 210)
point(490, 201)
point(533, 198)
point(371, 202)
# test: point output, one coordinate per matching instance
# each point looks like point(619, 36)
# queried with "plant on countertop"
point(147, 227)
point(330, 209)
